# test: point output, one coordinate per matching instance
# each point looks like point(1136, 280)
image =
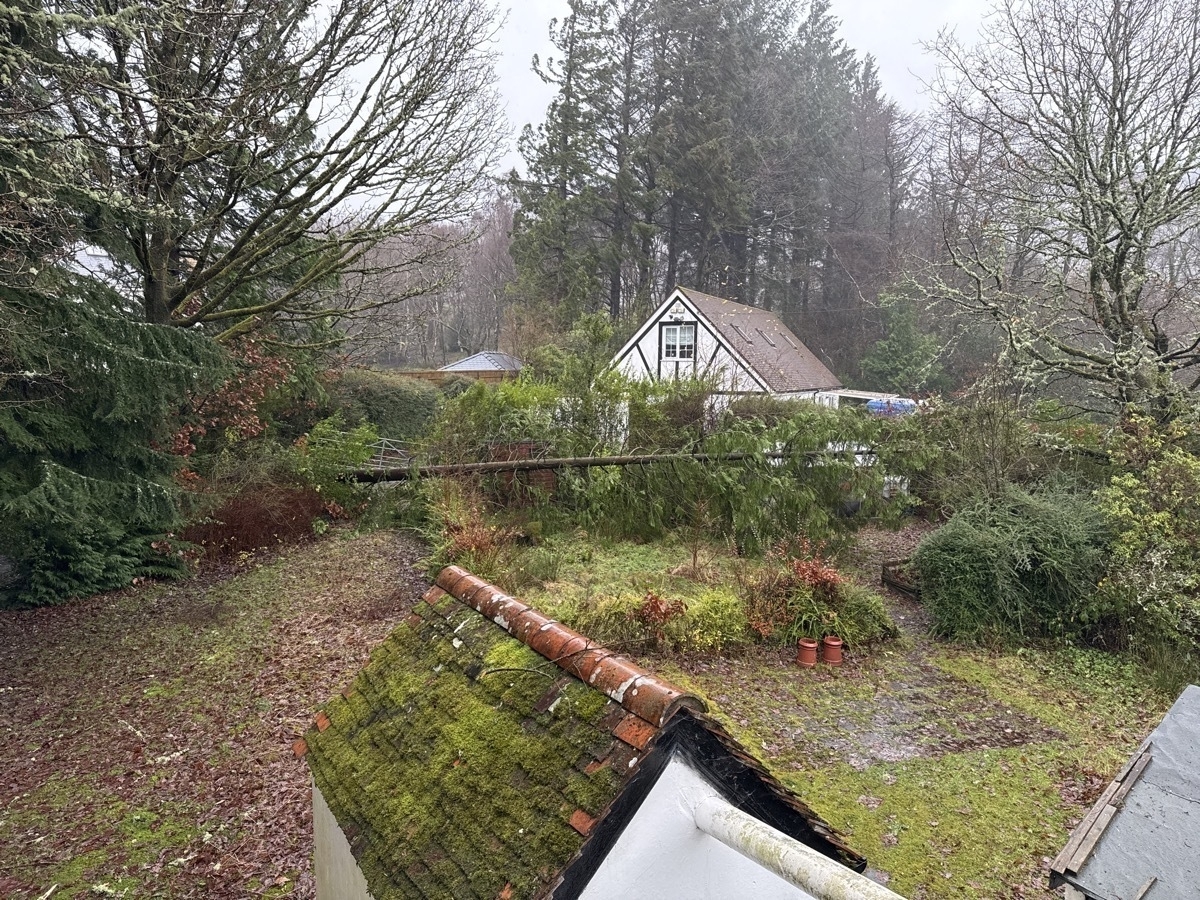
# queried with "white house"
point(746, 351)
point(488, 751)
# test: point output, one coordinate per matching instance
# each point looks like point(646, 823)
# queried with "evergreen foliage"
point(736, 147)
point(1018, 565)
point(1153, 505)
point(86, 403)
point(399, 408)
point(905, 360)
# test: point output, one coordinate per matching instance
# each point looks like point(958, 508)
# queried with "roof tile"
point(770, 347)
point(582, 822)
point(635, 732)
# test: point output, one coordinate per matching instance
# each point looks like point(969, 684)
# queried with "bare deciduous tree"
point(257, 149)
point(459, 287)
point(1071, 136)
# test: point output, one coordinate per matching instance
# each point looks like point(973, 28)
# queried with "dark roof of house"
point(1140, 838)
point(486, 750)
point(775, 353)
point(485, 361)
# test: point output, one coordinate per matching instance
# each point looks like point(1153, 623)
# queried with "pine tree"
point(86, 402)
point(85, 389)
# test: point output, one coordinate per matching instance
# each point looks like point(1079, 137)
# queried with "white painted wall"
point(337, 874)
point(662, 855)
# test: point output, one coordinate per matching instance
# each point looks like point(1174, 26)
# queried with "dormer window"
point(679, 341)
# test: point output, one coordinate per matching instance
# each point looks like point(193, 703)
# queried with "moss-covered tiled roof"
point(465, 763)
point(461, 762)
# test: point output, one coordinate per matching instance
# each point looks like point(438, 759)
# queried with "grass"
point(148, 750)
point(971, 809)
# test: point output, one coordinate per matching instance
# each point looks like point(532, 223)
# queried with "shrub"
point(1154, 579)
point(1019, 565)
point(485, 415)
point(715, 622)
point(793, 597)
point(609, 620)
point(399, 408)
point(863, 618)
point(655, 613)
point(328, 452)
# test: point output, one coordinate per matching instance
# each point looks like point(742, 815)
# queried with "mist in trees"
point(1069, 145)
point(443, 294)
point(740, 148)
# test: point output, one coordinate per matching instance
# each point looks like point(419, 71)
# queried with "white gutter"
point(791, 860)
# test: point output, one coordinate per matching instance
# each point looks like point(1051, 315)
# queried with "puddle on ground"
point(928, 715)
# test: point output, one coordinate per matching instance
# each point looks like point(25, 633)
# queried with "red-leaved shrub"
point(259, 517)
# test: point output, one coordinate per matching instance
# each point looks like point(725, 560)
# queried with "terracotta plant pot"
point(806, 653)
point(832, 650)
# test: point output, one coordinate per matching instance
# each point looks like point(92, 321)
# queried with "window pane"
point(687, 341)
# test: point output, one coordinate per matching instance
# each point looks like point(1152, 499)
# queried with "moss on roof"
point(457, 757)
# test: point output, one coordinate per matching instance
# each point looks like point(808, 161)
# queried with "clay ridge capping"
point(638, 691)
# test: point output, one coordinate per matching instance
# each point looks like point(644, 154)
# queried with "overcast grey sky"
point(890, 30)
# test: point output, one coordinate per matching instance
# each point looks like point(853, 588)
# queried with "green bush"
point(1153, 506)
point(715, 621)
point(956, 453)
point(1018, 565)
point(400, 408)
point(863, 618)
point(484, 415)
point(89, 399)
point(329, 452)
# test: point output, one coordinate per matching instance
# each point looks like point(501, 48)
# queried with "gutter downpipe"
point(812, 872)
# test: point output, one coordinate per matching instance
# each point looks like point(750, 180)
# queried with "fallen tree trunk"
point(405, 473)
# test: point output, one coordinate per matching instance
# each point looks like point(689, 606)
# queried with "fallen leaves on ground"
point(146, 735)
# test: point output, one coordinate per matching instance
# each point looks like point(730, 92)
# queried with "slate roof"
point(1142, 837)
point(776, 354)
point(464, 763)
point(486, 361)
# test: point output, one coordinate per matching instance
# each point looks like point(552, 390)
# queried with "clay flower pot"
point(806, 653)
point(832, 650)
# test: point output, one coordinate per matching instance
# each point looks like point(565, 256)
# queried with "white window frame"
point(679, 340)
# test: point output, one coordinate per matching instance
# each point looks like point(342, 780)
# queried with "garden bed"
point(899, 576)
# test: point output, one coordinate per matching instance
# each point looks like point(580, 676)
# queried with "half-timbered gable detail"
point(743, 350)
